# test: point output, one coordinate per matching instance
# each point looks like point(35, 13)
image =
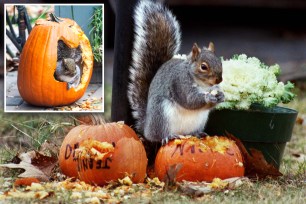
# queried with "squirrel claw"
point(165, 141)
point(69, 86)
point(170, 137)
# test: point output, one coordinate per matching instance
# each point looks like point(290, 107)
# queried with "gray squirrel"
point(68, 71)
point(169, 96)
point(68, 65)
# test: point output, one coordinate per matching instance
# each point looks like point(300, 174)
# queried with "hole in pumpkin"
point(69, 66)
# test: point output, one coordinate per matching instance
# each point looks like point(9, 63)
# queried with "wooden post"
point(124, 38)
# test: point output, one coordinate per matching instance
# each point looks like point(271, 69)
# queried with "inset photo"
point(54, 58)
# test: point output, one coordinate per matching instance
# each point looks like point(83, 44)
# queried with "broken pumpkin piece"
point(126, 181)
point(25, 181)
point(94, 149)
point(218, 144)
point(218, 183)
point(177, 141)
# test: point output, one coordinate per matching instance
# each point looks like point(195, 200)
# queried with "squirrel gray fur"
point(68, 71)
point(169, 96)
point(68, 65)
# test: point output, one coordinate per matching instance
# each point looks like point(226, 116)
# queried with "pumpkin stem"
point(54, 18)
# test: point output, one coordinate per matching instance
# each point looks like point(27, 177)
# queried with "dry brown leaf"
point(44, 163)
point(299, 120)
point(299, 157)
point(255, 163)
point(197, 189)
point(194, 189)
point(35, 165)
point(49, 149)
point(170, 178)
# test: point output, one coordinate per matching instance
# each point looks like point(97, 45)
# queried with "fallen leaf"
point(299, 120)
point(35, 165)
point(299, 157)
point(170, 177)
point(197, 189)
point(49, 149)
point(44, 163)
point(194, 189)
point(255, 163)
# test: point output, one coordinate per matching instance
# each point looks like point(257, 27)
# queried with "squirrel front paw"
point(214, 98)
point(215, 95)
point(220, 96)
point(69, 85)
point(170, 137)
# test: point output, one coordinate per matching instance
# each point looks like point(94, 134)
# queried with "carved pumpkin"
point(102, 153)
point(38, 61)
point(197, 159)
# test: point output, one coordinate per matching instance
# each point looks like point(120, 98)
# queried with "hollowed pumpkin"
point(38, 61)
point(101, 153)
point(200, 159)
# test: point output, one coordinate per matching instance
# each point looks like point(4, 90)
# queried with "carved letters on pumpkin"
point(88, 163)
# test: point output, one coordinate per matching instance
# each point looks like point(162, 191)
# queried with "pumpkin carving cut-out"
point(50, 43)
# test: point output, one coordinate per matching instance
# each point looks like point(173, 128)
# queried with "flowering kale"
point(247, 81)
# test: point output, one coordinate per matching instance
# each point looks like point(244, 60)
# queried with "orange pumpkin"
point(200, 159)
point(36, 82)
point(102, 153)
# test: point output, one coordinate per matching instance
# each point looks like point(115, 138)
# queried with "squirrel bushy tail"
point(157, 40)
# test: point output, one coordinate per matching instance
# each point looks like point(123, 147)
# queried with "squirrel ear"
point(195, 52)
point(211, 47)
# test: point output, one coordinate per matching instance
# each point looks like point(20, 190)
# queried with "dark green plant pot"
point(265, 129)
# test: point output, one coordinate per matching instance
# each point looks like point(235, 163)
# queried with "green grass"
point(28, 131)
point(31, 130)
point(96, 33)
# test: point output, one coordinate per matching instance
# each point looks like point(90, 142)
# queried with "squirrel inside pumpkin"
point(68, 65)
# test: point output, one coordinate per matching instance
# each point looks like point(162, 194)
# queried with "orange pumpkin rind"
point(102, 153)
point(36, 82)
point(201, 159)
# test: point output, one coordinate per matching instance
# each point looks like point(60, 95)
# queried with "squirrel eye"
point(204, 67)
